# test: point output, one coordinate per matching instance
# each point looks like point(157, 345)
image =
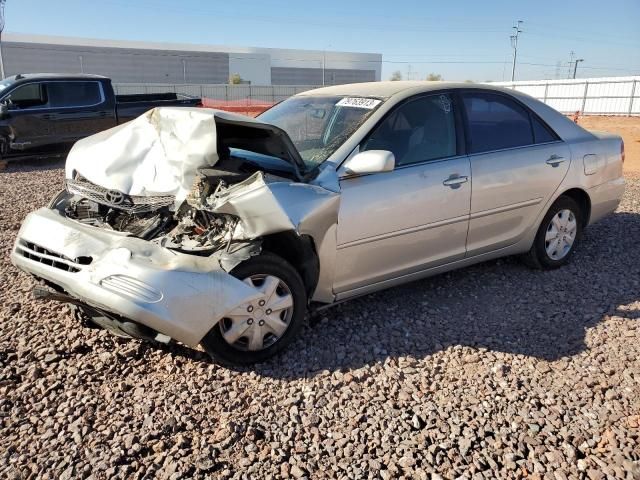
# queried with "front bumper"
point(182, 296)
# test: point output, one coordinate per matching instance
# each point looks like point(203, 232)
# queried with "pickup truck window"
point(32, 95)
point(74, 94)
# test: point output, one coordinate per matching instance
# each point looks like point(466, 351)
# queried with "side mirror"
point(370, 161)
point(4, 110)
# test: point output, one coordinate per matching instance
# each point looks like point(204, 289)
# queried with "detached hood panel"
point(160, 152)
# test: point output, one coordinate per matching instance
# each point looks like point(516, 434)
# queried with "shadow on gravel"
point(33, 165)
point(500, 305)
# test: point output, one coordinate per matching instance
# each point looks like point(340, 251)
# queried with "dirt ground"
point(627, 127)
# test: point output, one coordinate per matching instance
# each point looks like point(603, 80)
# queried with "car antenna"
point(19, 76)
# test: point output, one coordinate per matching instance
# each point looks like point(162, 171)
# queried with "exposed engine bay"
point(192, 227)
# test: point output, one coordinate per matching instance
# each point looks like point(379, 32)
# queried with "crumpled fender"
point(265, 208)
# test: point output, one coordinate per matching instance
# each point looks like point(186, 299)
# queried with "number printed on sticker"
point(359, 102)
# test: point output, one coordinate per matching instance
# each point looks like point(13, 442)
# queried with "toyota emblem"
point(114, 197)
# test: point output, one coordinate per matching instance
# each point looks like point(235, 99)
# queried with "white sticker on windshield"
point(359, 102)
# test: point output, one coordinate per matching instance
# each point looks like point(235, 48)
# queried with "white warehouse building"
point(145, 62)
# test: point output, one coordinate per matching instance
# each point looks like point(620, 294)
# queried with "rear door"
point(396, 223)
point(517, 161)
point(78, 108)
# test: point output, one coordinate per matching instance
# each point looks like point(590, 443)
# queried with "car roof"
point(54, 76)
point(390, 88)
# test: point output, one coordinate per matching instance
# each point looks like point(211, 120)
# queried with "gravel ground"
point(491, 371)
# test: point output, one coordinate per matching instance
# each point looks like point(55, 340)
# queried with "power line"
point(580, 39)
point(564, 28)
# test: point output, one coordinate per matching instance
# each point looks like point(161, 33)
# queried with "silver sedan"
point(247, 224)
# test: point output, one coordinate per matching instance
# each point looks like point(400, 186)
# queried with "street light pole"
point(575, 66)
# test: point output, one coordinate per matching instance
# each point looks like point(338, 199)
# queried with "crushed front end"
point(151, 234)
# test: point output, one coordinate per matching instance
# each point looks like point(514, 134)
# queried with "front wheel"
point(557, 236)
point(257, 330)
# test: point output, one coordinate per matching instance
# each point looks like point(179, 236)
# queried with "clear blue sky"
point(417, 36)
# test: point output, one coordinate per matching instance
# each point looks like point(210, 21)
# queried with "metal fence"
point(591, 96)
point(267, 94)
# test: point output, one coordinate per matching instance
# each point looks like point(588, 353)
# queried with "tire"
point(261, 330)
point(549, 254)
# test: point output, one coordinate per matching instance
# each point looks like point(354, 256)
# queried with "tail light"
point(622, 150)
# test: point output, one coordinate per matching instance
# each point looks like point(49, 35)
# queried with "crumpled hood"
point(160, 152)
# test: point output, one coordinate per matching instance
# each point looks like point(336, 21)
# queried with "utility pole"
point(514, 45)
point(2, 3)
point(572, 55)
point(575, 66)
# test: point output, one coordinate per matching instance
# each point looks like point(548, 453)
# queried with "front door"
point(415, 217)
point(28, 125)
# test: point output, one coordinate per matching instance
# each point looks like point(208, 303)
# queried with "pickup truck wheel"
point(257, 330)
point(557, 235)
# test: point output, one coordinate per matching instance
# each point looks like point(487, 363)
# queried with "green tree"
point(434, 77)
point(235, 79)
point(395, 76)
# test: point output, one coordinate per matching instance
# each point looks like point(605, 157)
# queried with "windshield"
point(318, 126)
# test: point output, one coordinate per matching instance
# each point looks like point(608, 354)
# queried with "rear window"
point(496, 122)
point(74, 94)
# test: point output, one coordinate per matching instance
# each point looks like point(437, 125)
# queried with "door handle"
point(455, 182)
point(46, 116)
point(554, 160)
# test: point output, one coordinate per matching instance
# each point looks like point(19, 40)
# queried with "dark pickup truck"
point(43, 115)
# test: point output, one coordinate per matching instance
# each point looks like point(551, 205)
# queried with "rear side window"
point(73, 94)
point(419, 130)
point(541, 132)
point(496, 122)
point(32, 95)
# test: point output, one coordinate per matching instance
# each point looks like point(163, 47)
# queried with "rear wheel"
point(257, 330)
point(557, 236)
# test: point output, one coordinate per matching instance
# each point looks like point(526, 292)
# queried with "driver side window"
point(32, 95)
point(419, 130)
